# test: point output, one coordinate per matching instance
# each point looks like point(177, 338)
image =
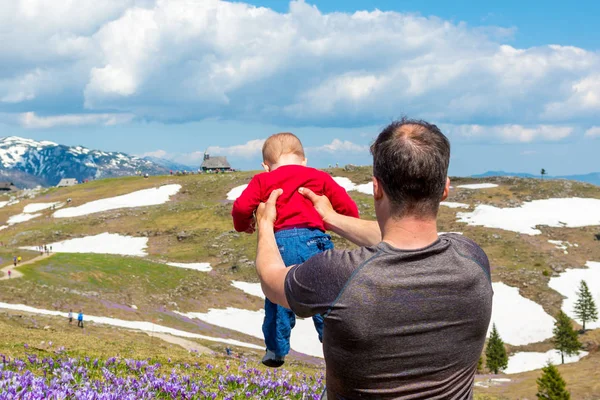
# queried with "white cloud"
point(510, 132)
point(341, 146)
point(178, 60)
point(594, 131)
point(249, 149)
point(31, 120)
point(157, 154)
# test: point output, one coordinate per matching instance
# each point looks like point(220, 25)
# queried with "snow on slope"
point(563, 212)
point(104, 243)
point(304, 337)
point(530, 361)
point(519, 320)
point(236, 192)
point(135, 325)
point(476, 186)
point(253, 289)
point(450, 204)
point(140, 198)
point(35, 207)
point(202, 267)
point(567, 284)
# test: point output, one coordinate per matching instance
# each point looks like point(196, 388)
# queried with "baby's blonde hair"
point(279, 144)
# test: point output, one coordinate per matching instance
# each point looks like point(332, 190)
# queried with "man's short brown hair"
point(279, 144)
point(410, 160)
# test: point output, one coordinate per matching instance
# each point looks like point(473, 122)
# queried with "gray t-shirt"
point(399, 324)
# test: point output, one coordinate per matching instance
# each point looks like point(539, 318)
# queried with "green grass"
point(105, 284)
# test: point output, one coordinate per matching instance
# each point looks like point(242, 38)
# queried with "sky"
point(514, 85)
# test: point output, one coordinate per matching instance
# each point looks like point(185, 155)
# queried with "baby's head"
point(282, 149)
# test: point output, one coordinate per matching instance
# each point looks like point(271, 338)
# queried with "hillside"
point(188, 273)
point(28, 163)
point(593, 177)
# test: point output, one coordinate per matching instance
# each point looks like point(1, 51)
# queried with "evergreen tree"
point(565, 337)
point(543, 172)
point(585, 307)
point(496, 358)
point(551, 386)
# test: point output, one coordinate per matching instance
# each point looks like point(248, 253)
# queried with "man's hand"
point(358, 231)
point(266, 213)
point(321, 203)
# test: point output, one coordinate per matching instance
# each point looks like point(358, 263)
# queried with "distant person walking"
point(15, 261)
point(9, 273)
point(19, 260)
point(70, 317)
point(80, 319)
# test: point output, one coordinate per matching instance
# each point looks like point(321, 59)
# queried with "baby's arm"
point(244, 207)
point(340, 199)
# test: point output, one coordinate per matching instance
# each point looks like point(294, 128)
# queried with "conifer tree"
point(551, 386)
point(565, 337)
point(585, 307)
point(496, 358)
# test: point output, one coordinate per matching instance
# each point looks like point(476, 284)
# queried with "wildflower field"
point(62, 377)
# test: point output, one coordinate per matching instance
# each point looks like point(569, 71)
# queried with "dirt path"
point(186, 344)
point(15, 273)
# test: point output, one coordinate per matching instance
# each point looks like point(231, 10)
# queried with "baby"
point(299, 230)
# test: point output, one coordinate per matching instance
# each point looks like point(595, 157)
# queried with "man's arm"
point(358, 231)
point(270, 267)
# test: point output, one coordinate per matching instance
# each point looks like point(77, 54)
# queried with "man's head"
point(282, 149)
point(410, 164)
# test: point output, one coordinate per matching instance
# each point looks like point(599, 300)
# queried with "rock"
point(47, 327)
point(183, 235)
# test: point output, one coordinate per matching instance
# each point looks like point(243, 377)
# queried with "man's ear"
point(377, 189)
point(304, 162)
point(446, 190)
point(266, 167)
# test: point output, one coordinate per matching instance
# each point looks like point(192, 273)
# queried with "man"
point(407, 314)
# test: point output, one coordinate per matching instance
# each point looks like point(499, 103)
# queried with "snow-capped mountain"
point(28, 163)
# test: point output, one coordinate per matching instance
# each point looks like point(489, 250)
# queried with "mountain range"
point(28, 163)
point(593, 177)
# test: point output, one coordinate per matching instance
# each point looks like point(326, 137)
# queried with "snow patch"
point(564, 212)
point(454, 205)
point(135, 325)
point(17, 219)
point(366, 188)
point(104, 243)
point(519, 320)
point(567, 284)
point(202, 267)
point(530, 361)
point(236, 192)
point(304, 337)
point(478, 186)
point(253, 289)
point(35, 207)
point(140, 198)
point(345, 183)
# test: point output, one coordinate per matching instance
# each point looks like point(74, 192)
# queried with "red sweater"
point(293, 209)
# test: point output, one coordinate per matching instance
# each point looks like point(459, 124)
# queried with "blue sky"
point(515, 85)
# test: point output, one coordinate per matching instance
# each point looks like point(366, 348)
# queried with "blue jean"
point(296, 246)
